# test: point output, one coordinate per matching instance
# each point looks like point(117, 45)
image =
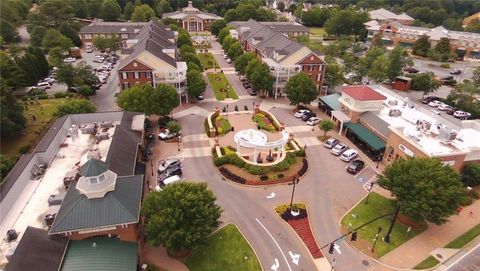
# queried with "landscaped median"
point(376, 207)
point(226, 249)
point(208, 61)
point(221, 87)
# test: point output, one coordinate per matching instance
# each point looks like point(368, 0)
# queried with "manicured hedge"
point(231, 176)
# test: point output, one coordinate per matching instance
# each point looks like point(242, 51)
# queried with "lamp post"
point(227, 112)
point(369, 190)
point(293, 193)
point(178, 140)
point(389, 233)
point(376, 238)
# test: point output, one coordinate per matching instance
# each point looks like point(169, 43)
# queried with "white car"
point(229, 61)
point(167, 163)
point(349, 155)
point(167, 181)
point(444, 107)
point(461, 114)
point(69, 60)
point(339, 149)
point(435, 103)
point(313, 121)
point(301, 112)
point(43, 85)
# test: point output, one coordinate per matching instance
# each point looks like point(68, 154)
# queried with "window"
point(93, 180)
point(136, 75)
point(148, 74)
point(126, 85)
point(101, 178)
point(310, 68)
point(87, 36)
point(319, 76)
point(124, 36)
point(124, 75)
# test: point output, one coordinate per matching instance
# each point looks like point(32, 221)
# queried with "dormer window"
point(101, 178)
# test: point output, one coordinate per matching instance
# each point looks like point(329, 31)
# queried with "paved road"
point(466, 67)
point(469, 261)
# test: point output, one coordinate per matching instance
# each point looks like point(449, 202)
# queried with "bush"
point(25, 149)
point(281, 175)
point(231, 176)
point(43, 96)
point(60, 95)
point(219, 130)
point(264, 178)
point(257, 170)
point(86, 91)
point(300, 153)
point(231, 159)
point(304, 168)
point(465, 201)
point(471, 175)
point(445, 66)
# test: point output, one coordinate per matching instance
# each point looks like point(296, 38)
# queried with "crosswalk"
point(307, 141)
point(297, 129)
point(197, 152)
point(371, 184)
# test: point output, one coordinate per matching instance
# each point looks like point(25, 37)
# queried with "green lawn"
point(427, 263)
point(208, 61)
point(465, 238)
point(377, 206)
point(317, 31)
point(225, 250)
point(43, 113)
point(220, 85)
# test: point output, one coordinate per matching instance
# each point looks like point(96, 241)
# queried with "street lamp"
point(227, 112)
point(293, 193)
point(392, 223)
point(376, 238)
point(369, 190)
point(179, 139)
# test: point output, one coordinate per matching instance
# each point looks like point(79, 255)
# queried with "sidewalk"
point(434, 237)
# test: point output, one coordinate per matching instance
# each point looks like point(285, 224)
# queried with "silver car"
point(167, 163)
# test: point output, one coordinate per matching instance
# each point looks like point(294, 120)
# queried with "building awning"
point(366, 136)
point(331, 101)
point(339, 115)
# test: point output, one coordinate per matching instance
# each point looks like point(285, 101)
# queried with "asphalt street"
point(469, 261)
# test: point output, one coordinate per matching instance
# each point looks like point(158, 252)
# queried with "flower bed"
point(301, 226)
point(264, 122)
point(222, 125)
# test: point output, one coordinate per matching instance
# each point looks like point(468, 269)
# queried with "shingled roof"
point(121, 206)
point(363, 93)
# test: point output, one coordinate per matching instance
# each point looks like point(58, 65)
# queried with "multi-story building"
point(123, 30)
point(192, 19)
point(385, 16)
point(152, 58)
point(291, 29)
point(394, 32)
point(284, 56)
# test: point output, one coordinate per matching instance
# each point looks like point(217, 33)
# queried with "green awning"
point(101, 253)
point(332, 101)
point(375, 142)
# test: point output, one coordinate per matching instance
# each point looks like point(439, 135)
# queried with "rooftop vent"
point(447, 135)
point(123, 29)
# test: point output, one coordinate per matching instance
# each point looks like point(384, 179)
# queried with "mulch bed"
point(301, 226)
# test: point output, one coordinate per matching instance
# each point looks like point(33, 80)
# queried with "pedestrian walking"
point(459, 209)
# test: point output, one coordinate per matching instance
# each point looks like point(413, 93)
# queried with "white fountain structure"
point(257, 140)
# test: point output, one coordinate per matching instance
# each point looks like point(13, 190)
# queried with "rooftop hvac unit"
point(395, 113)
point(423, 125)
point(446, 134)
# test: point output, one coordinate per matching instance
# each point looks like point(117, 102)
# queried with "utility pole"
point(376, 238)
point(387, 237)
point(369, 190)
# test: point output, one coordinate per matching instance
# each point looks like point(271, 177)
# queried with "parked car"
point(167, 163)
point(73, 89)
point(411, 70)
point(331, 142)
point(444, 107)
point(251, 92)
point(228, 60)
point(166, 135)
point(200, 97)
point(173, 170)
point(166, 182)
point(242, 78)
point(455, 72)
point(435, 103)
point(451, 82)
point(461, 114)
point(348, 155)
point(313, 121)
point(50, 80)
point(301, 112)
point(451, 110)
point(246, 85)
point(339, 149)
point(43, 85)
point(355, 166)
point(429, 99)
point(448, 77)
point(69, 60)
point(225, 56)
point(308, 115)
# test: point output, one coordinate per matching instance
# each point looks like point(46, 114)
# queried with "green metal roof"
point(332, 101)
point(121, 206)
point(93, 167)
point(101, 253)
point(366, 135)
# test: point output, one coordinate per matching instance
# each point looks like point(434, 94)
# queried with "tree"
point(476, 76)
point(397, 60)
point(70, 33)
point(80, 8)
point(187, 49)
point(225, 32)
point(473, 26)
point(128, 10)
point(53, 38)
point(77, 76)
point(235, 51)
point(174, 127)
point(66, 75)
point(183, 38)
point(326, 125)
point(192, 58)
point(102, 43)
point(242, 61)
point(217, 25)
point(145, 98)
point(334, 73)
point(301, 89)
point(110, 10)
point(6, 164)
point(195, 84)
point(281, 6)
point(377, 40)
point(10, 73)
point(163, 6)
point(442, 50)
point(471, 175)
point(76, 106)
point(33, 65)
point(7, 31)
point(199, 216)
point(258, 74)
point(346, 22)
point(227, 42)
point(55, 56)
point(12, 120)
point(379, 69)
point(424, 189)
point(36, 35)
point(421, 46)
point(56, 12)
point(316, 16)
point(425, 82)
point(143, 13)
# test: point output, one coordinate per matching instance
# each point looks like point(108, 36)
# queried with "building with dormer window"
point(192, 19)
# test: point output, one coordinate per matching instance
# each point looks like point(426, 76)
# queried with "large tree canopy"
point(12, 120)
point(143, 13)
point(195, 83)
point(145, 98)
point(258, 74)
point(181, 216)
point(76, 106)
point(242, 61)
point(301, 89)
point(424, 188)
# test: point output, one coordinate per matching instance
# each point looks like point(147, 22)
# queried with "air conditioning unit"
point(446, 134)
point(395, 113)
point(423, 125)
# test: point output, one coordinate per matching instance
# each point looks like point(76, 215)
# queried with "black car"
point(451, 82)
point(451, 110)
point(171, 171)
point(246, 84)
point(308, 115)
point(449, 77)
point(411, 70)
point(428, 99)
point(455, 72)
point(355, 166)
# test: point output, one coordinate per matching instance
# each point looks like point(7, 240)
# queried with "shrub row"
point(304, 168)
point(231, 176)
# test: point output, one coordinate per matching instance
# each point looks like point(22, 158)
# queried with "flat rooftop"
point(427, 140)
point(32, 205)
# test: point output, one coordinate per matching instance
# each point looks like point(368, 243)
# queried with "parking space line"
point(361, 171)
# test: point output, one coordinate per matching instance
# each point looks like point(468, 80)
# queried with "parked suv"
point(348, 155)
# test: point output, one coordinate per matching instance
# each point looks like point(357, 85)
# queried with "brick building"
point(123, 30)
point(284, 56)
point(192, 19)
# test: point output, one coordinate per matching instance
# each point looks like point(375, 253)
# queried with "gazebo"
point(257, 140)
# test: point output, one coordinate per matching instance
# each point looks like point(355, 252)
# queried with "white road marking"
point(337, 248)
point(271, 196)
point(275, 241)
point(361, 171)
point(275, 265)
point(295, 257)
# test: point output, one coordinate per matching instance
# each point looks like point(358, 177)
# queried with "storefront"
point(372, 145)
point(329, 103)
